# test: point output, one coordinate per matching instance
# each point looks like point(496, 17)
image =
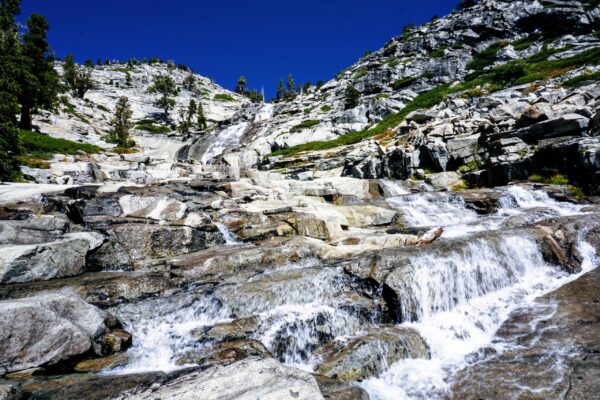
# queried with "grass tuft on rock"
point(43, 147)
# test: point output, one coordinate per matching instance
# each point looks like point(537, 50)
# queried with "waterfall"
point(265, 112)
point(230, 238)
point(462, 299)
point(224, 139)
point(166, 334)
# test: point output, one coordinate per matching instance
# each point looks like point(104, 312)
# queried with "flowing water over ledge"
point(456, 299)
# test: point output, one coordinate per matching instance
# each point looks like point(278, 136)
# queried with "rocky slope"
point(375, 269)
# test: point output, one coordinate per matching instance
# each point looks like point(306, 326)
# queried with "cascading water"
point(455, 295)
point(230, 238)
point(224, 139)
point(460, 305)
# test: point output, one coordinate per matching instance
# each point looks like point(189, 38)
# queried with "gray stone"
point(250, 379)
point(61, 258)
point(369, 355)
point(46, 329)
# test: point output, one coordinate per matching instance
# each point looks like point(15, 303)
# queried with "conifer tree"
point(78, 79)
point(280, 92)
point(38, 80)
point(291, 86)
point(121, 123)
point(352, 97)
point(164, 86)
point(201, 123)
point(186, 117)
point(189, 82)
point(9, 69)
point(241, 85)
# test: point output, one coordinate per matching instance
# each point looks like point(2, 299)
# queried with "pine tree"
point(186, 117)
point(241, 85)
point(164, 86)
point(78, 79)
point(9, 69)
point(200, 118)
point(38, 80)
point(121, 123)
point(280, 92)
point(189, 82)
point(291, 86)
point(88, 63)
point(352, 97)
point(128, 78)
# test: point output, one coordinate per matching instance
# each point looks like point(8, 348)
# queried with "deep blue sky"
point(263, 39)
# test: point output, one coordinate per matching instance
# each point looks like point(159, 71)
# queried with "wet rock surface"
point(205, 265)
point(556, 356)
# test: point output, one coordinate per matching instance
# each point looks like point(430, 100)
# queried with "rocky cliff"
point(321, 248)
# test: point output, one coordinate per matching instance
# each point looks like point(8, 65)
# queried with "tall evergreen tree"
point(189, 82)
point(9, 107)
point(280, 91)
point(164, 86)
point(186, 117)
point(291, 86)
point(38, 80)
point(201, 123)
point(77, 78)
point(352, 97)
point(121, 123)
point(241, 85)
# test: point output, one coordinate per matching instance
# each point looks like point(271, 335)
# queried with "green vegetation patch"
point(403, 83)
point(582, 79)
point(44, 147)
point(152, 128)
point(556, 179)
point(309, 123)
point(498, 78)
point(439, 52)
point(326, 108)
point(224, 97)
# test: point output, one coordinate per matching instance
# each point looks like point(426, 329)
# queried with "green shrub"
point(43, 146)
point(152, 128)
point(392, 62)
point(486, 57)
point(326, 108)
point(403, 83)
point(390, 50)
point(32, 162)
point(309, 123)
point(556, 179)
point(224, 97)
point(361, 72)
point(469, 167)
point(439, 52)
point(102, 108)
point(582, 79)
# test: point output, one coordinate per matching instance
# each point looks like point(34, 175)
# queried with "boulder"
point(33, 230)
point(444, 180)
point(334, 389)
point(595, 124)
point(566, 125)
point(249, 379)
point(370, 354)
point(150, 241)
point(534, 114)
point(61, 258)
point(397, 164)
point(46, 329)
